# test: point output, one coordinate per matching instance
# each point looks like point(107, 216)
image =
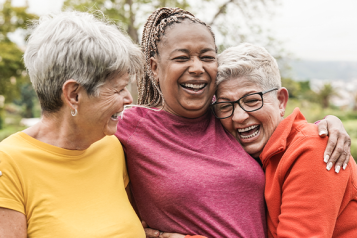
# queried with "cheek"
point(212, 70)
point(228, 125)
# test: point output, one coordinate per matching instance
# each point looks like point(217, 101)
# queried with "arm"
point(311, 196)
point(339, 143)
point(12, 224)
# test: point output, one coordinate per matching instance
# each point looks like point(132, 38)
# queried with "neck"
point(61, 131)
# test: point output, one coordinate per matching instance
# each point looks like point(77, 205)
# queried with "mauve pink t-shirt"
point(190, 176)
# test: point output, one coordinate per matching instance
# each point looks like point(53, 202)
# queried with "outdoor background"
point(313, 40)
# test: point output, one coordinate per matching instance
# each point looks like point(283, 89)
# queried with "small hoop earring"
point(74, 113)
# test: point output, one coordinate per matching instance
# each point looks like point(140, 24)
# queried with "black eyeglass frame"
point(238, 101)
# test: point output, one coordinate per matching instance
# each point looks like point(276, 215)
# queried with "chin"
point(254, 152)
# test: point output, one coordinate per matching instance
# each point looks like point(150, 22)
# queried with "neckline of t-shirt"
point(179, 118)
point(50, 148)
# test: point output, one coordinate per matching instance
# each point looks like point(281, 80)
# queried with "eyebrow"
point(187, 51)
point(223, 98)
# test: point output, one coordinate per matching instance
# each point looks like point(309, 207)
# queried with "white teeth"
point(116, 115)
point(247, 128)
point(250, 136)
point(194, 86)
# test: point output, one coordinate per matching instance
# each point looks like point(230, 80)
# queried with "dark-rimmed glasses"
point(249, 103)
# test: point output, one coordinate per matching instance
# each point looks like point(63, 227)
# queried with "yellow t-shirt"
point(68, 193)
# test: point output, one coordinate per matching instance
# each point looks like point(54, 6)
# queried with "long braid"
point(149, 91)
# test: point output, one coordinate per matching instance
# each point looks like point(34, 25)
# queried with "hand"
point(150, 233)
point(339, 143)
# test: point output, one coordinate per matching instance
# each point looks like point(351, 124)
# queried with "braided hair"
point(149, 92)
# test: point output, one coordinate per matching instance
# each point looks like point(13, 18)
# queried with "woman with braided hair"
point(188, 175)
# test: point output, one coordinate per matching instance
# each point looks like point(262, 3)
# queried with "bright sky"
point(312, 29)
point(318, 29)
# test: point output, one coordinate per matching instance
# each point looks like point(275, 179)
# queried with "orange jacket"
point(302, 197)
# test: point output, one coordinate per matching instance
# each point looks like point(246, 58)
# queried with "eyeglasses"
point(249, 103)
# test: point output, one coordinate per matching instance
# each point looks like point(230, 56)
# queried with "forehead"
point(185, 34)
point(237, 87)
point(118, 80)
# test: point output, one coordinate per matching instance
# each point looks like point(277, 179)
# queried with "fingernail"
point(344, 166)
point(329, 166)
point(337, 169)
point(156, 232)
point(323, 133)
point(326, 158)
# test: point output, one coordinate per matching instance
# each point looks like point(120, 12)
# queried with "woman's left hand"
point(339, 142)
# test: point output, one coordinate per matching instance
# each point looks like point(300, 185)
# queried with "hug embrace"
point(180, 162)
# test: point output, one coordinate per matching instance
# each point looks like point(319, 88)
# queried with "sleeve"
point(127, 125)
point(311, 195)
point(11, 193)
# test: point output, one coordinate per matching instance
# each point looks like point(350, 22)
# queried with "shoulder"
point(129, 121)
point(108, 143)
point(13, 146)
point(304, 139)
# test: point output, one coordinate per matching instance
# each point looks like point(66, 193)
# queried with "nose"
point(239, 115)
point(196, 66)
point(128, 99)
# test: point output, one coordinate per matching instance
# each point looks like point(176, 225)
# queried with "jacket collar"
point(279, 139)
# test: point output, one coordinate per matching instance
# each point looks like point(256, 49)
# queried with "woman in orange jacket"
point(303, 199)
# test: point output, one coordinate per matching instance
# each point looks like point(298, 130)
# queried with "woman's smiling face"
point(252, 129)
point(186, 68)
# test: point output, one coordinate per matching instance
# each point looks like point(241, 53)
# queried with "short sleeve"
point(127, 125)
point(11, 193)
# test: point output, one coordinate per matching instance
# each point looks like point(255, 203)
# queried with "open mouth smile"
point(115, 116)
point(194, 87)
point(249, 132)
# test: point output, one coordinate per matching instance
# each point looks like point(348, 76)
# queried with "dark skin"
point(181, 59)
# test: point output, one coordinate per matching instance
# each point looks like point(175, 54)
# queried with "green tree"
point(12, 70)
point(325, 94)
point(132, 14)
point(292, 86)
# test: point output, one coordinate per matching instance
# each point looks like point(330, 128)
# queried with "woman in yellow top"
point(66, 175)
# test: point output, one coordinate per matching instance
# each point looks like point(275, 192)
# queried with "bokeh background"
point(314, 41)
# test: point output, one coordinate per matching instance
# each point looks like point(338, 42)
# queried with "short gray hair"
point(79, 46)
point(251, 61)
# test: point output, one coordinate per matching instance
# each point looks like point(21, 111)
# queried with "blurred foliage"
point(325, 94)
point(131, 15)
point(12, 70)
point(123, 12)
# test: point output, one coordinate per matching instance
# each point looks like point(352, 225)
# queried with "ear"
point(283, 97)
point(154, 68)
point(70, 93)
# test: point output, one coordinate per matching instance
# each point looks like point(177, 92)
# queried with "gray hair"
point(79, 46)
point(251, 61)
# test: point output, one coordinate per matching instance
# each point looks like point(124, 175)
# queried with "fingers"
point(331, 144)
point(322, 127)
point(341, 153)
point(348, 154)
point(151, 233)
point(171, 235)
